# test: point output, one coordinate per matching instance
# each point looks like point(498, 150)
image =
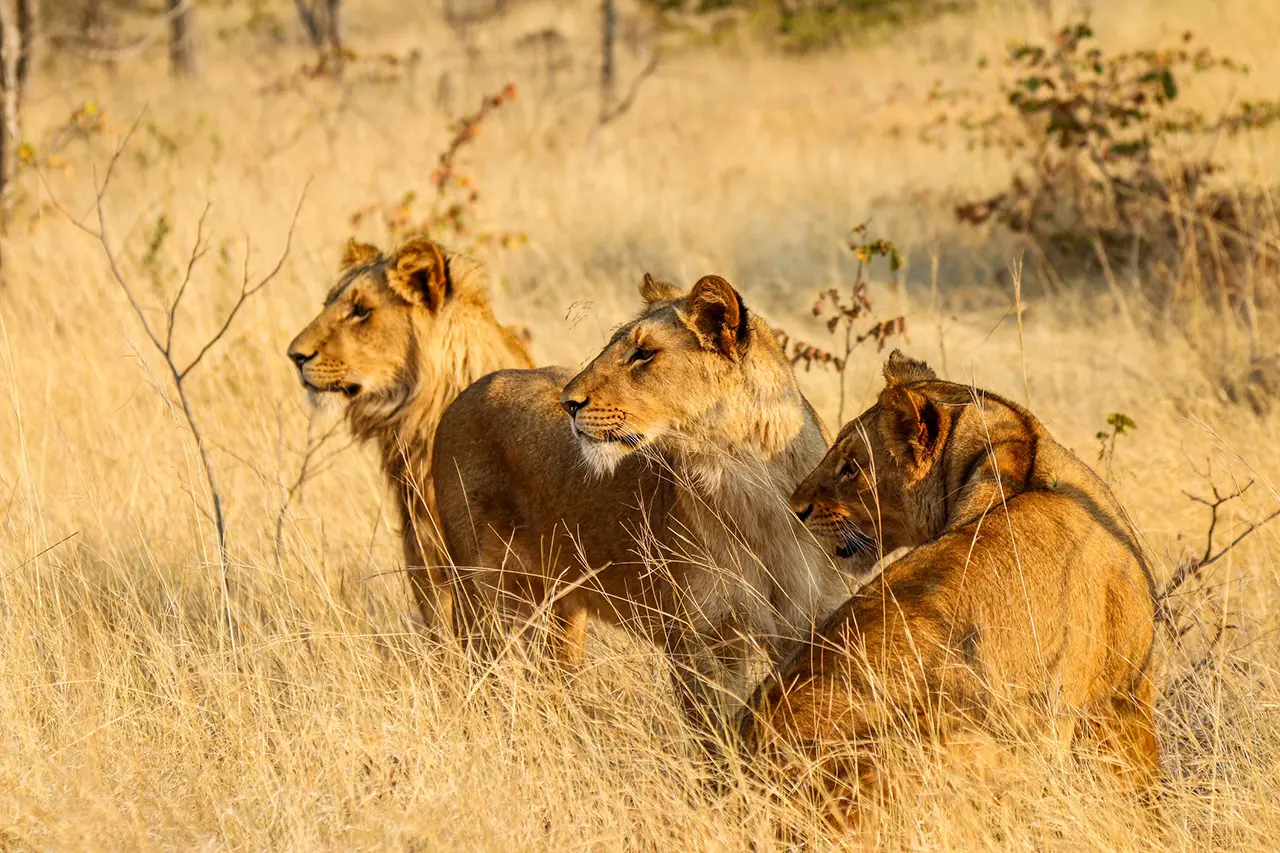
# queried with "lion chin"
point(602, 457)
point(325, 402)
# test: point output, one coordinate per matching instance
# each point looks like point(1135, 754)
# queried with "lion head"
point(359, 343)
point(876, 490)
point(695, 371)
point(384, 336)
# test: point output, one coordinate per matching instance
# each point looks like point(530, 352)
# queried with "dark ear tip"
point(708, 282)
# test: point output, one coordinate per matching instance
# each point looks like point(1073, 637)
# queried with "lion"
point(1026, 597)
point(649, 491)
point(399, 337)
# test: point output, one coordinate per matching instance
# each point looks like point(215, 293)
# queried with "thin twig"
point(246, 292)
point(1191, 568)
point(306, 472)
point(40, 554)
point(199, 248)
point(609, 116)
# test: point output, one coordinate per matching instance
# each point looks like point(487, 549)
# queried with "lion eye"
point(847, 471)
point(640, 355)
point(359, 312)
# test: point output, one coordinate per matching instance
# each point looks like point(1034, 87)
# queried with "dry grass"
point(131, 722)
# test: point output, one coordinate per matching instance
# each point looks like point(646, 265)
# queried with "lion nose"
point(572, 406)
point(300, 358)
point(803, 514)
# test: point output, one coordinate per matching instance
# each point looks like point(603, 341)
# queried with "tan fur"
point(660, 503)
point(1026, 599)
point(399, 337)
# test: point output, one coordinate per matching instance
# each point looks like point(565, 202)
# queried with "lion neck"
point(447, 353)
point(733, 472)
point(742, 459)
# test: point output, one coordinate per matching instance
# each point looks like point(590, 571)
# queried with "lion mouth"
point(626, 438)
point(346, 389)
point(854, 543)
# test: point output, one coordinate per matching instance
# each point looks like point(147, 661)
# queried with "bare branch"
point(100, 190)
point(610, 116)
point(1193, 567)
point(199, 249)
point(121, 52)
point(306, 472)
point(247, 292)
point(165, 347)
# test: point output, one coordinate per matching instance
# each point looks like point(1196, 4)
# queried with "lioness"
point(400, 335)
point(1028, 589)
point(659, 504)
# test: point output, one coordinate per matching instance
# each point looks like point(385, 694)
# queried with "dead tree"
point(10, 103)
point(184, 42)
point(608, 38)
point(322, 21)
point(335, 30)
point(164, 341)
point(29, 43)
point(611, 111)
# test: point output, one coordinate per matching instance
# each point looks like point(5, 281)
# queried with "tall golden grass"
point(131, 720)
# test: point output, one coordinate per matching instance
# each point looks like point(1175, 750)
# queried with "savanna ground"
point(132, 719)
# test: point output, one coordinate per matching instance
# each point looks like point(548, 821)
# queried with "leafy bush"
point(1100, 177)
point(804, 25)
point(848, 318)
point(450, 208)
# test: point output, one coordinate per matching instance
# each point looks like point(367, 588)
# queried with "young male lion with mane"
point(1026, 599)
point(399, 337)
point(659, 504)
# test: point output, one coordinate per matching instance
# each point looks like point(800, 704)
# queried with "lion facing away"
point(658, 504)
point(1026, 599)
point(399, 337)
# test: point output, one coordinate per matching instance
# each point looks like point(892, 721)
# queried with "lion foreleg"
point(709, 675)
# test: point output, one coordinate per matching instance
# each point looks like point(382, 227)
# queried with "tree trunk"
point(29, 39)
point(310, 25)
point(335, 31)
point(10, 51)
point(608, 32)
point(184, 44)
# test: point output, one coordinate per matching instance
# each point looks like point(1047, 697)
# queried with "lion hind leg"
point(1129, 733)
point(1120, 730)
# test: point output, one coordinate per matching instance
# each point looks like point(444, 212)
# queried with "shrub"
point(848, 317)
point(805, 25)
point(450, 208)
point(1101, 179)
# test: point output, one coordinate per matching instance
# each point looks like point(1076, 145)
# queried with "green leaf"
point(1121, 422)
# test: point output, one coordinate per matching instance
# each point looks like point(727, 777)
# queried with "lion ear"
point(357, 254)
point(419, 273)
point(719, 317)
point(654, 290)
point(914, 427)
point(901, 370)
